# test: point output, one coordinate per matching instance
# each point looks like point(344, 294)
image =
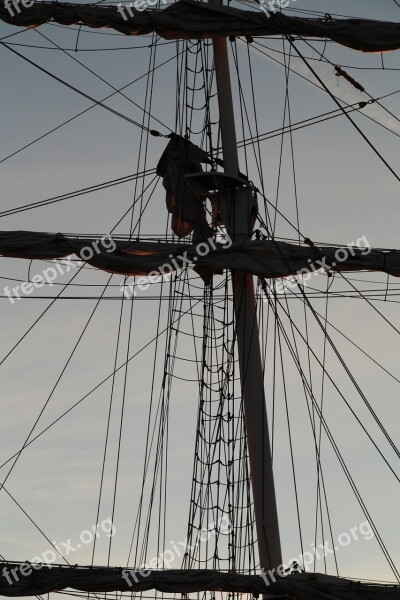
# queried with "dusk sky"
point(344, 193)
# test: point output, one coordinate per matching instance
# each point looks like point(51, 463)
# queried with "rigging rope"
point(153, 132)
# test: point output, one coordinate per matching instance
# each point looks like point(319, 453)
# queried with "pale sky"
point(344, 193)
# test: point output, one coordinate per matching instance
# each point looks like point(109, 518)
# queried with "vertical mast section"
point(236, 213)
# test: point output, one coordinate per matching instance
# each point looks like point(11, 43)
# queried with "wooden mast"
point(237, 213)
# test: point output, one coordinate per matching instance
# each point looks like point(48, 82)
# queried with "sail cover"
point(263, 258)
point(189, 19)
point(24, 579)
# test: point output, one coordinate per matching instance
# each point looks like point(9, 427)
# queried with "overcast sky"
point(344, 193)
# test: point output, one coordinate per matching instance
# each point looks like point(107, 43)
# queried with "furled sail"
point(263, 258)
point(189, 19)
point(43, 579)
point(181, 158)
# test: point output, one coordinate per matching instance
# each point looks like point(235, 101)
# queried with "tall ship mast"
point(238, 295)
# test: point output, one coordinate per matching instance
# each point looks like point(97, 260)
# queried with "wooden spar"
point(237, 216)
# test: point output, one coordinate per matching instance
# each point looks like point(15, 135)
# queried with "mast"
point(236, 214)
